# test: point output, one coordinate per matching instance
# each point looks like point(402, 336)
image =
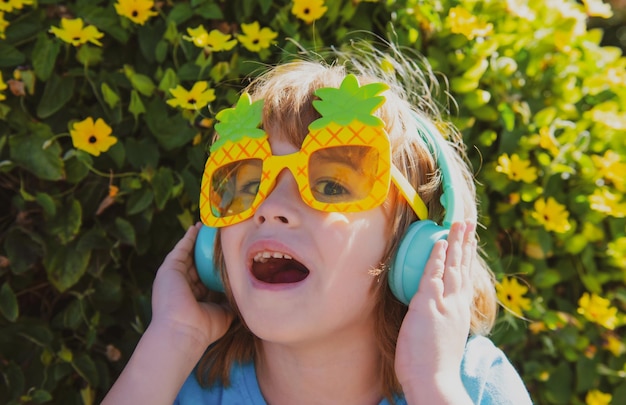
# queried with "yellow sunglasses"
point(341, 166)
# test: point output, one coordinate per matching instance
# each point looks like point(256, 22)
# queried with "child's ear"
point(408, 264)
point(203, 256)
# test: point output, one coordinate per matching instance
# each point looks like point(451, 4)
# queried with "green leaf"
point(28, 152)
point(508, 116)
point(56, 94)
point(105, 19)
point(169, 80)
point(23, 249)
point(160, 51)
point(180, 13)
point(139, 201)
point(44, 56)
point(162, 184)
point(72, 316)
point(89, 55)
point(110, 96)
point(142, 153)
point(66, 224)
point(40, 396)
point(136, 106)
point(46, 202)
point(171, 132)
point(11, 57)
point(210, 11)
point(8, 303)
point(86, 368)
point(76, 168)
point(142, 84)
point(65, 264)
point(559, 387)
point(124, 231)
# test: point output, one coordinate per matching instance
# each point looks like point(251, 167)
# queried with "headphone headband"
point(430, 135)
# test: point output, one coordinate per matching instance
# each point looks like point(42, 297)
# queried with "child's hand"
point(434, 332)
point(177, 294)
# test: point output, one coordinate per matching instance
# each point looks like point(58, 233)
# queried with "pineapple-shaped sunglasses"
point(343, 165)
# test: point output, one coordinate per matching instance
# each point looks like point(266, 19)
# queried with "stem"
point(109, 175)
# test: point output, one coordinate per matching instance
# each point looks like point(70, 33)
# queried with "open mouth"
point(277, 268)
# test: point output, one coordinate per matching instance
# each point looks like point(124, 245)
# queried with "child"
point(318, 255)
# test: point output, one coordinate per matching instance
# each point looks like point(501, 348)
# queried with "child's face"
point(298, 274)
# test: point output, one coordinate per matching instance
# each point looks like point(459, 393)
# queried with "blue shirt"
point(487, 375)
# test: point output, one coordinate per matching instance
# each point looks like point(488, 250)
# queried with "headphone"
point(415, 247)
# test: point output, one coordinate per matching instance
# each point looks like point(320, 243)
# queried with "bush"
point(102, 150)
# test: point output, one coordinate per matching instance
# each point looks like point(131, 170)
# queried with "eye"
point(330, 188)
point(251, 188)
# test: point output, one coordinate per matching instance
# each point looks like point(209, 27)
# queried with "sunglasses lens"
point(234, 187)
point(343, 174)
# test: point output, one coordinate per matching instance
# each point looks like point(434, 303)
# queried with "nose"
point(283, 205)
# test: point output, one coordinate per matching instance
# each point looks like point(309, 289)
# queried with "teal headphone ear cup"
point(203, 256)
point(413, 253)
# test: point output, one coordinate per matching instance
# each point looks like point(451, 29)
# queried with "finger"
point(469, 254)
point(180, 256)
point(431, 284)
point(452, 279)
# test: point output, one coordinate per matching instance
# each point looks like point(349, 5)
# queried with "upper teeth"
point(263, 256)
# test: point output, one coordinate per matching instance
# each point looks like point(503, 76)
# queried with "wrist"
point(181, 337)
point(435, 388)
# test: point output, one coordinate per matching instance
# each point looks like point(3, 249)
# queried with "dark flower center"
point(306, 11)
point(255, 41)
point(135, 13)
point(92, 139)
point(76, 38)
point(192, 101)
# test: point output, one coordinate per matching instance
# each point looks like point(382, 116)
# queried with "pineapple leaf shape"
point(348, 103)
point(239, 122)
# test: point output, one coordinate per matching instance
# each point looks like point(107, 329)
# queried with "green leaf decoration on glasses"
point(238, 122)
point(348, 103)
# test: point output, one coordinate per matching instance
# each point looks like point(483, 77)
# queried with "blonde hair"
point(287, 91)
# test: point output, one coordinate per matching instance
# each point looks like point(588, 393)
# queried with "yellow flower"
point(511, 295)
point(547, 141)
point(92, 137)
point(3, 87)
point(215, 40)
point(616, 251)
point(463, 22)
point(552, 215)
point(138, 11)
point(597, 309)
point(308, 10)
point(614, 344)
point(595, 397)
point(3, 25)
point(73, 32)
point(610, 168)
point(602, 200)
point(254, 38)
point(596, 8)
point(516, 169)
point(10, 5)
point(196, 98)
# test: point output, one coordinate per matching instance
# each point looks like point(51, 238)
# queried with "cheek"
point(358, 239)
point(230, 241)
